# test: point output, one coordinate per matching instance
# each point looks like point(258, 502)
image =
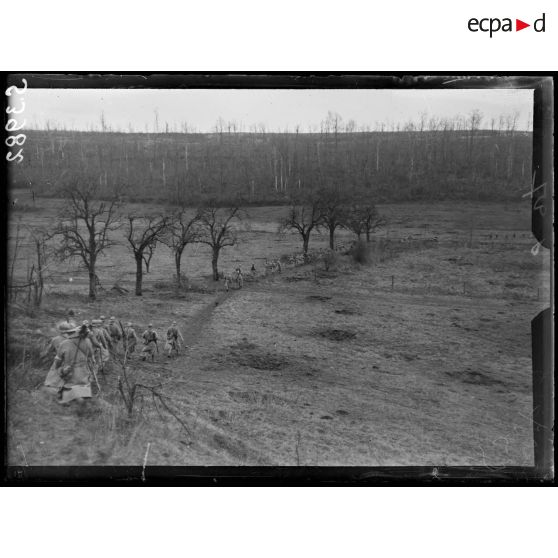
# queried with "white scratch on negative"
point(145, 462)
point(24, 458)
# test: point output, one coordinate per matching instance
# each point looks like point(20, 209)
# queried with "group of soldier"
point(81, 351)
point(237, 278)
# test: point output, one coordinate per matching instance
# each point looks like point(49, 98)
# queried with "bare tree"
point(84, 228)
point(304, 216)
point(333, 210)
point(363, 218)
point(38, 270)
point(216, 228)
point(141, 234)
point(183, 230)
point(44, 260)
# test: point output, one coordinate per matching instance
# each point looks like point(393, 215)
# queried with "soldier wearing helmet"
point(173, 339)
point(115, 333)
point(150, 338)
point(130, 338)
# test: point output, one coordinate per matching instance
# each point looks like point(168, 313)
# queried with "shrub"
point(361, 252)
point(330, 259)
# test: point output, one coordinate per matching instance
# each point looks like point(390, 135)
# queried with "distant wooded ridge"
point(269, 168)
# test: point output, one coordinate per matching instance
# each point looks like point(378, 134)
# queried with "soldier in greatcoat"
point(130, 338)
point(150, 339)
point(70, 375)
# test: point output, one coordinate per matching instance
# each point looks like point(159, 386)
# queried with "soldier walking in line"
point(103, 334)
point(173, 340)
point(103, 340)
point(70, 375)
point(95, 343)
point(106, 332)
point(115, 333)
point(150, 338)
point(49, 352)
point(227, 283)
point(130, 339)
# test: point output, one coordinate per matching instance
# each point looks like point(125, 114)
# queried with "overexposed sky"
point(276, 109)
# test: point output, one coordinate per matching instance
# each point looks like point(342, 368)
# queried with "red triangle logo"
point(519, 25)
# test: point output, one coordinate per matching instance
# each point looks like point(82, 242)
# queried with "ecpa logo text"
point(492, 25)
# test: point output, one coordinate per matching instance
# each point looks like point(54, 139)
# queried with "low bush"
point(330, 259)
point(361, 252)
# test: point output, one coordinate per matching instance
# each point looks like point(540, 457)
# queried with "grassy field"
point(421, 358)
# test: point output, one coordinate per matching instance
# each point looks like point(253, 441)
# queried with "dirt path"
point(197, 323)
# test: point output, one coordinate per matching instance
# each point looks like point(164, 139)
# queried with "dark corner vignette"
point(541, 326)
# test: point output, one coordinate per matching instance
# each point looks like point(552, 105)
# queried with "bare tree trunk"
point(305, 241)
point(214, 261)
point(139, 273)
point(92, 265)
point(177, 261)
point(92, 285)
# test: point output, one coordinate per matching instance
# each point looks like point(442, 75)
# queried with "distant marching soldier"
point(239, 278)
point(88, 332)
point(150, 338)
point(227, 283)
point(173, 339)
point(104, 327)
point(115, 333)
point(130, 338)
point(103, 339)
point(102, 333)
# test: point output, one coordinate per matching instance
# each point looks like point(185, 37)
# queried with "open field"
point(422, 358)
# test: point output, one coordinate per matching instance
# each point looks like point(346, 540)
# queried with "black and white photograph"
point(269, 272)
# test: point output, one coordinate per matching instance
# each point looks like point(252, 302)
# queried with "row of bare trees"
point(86, 229)
point(332, 209)
point(87, 225)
